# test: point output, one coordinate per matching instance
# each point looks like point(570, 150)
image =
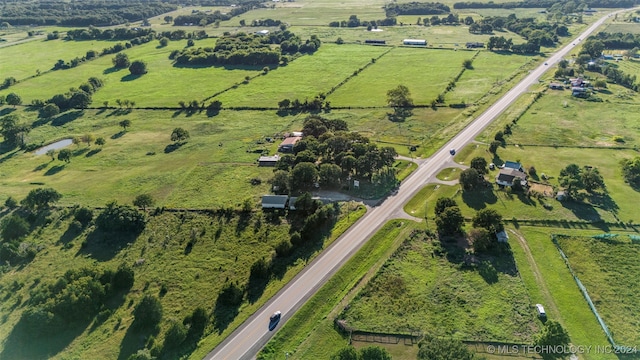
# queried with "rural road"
point(247, 340)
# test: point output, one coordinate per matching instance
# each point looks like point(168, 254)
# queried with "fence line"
point(621, 348)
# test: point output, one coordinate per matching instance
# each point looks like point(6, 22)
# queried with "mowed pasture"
point(563, 120)
point(23, 60)
point(218, 158)
point(429, 288)
point(609, 270)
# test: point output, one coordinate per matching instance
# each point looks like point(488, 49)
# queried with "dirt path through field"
point(548, 299)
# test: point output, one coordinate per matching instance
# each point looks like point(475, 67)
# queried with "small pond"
point(54, 146)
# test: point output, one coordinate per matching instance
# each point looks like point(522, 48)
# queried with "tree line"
point(415, 8)
point(355, 22)
point(204, 18)
point(541, 4)
point(81, 13)
point(618, 40)
point(248, 49)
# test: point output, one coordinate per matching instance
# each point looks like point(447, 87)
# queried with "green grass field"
point(606, 268)
point(417, 290)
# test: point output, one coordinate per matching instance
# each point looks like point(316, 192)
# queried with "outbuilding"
point(414, 42)
point(268, 160)
point(287, 144)
point(274, 201)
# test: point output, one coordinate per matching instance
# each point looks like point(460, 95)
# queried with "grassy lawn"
point(449, 174)
point(309, 334)
point(606, 269)
point(424, 286)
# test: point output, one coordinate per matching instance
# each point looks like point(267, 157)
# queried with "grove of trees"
point(340, 154)
point(247, 49)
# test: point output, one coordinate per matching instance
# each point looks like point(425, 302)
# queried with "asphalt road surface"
point(248, 339)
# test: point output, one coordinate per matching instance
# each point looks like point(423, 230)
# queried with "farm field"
point(430, 287)
point(606, 268)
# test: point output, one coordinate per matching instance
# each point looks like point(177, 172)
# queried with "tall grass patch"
point(609, 269)
point(430, 286)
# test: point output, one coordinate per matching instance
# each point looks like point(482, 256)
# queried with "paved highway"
point(246, 341)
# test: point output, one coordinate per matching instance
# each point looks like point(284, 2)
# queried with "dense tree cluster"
point(355, 22)
point(573, 178)
point(78, 98)
point(339, 153)
point(536, 33)
point(618, 40)
point(416, 8)
point(120, 218)
point(266, 22)
point(205, 18)
point(449, 219)
point(316, 104)
point(365, 353)
point(13, 229)
point(93, 33)
point(40, 198)
point(631, 171)
point(13, 131)
point(77, 296)
point(81, 13)
point(542, 4)
point(247, 49)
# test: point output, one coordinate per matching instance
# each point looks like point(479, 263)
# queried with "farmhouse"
point(474, 45)
point(578, 82)
point(415, 42)
point(268, 160)
point(375, 42)
point(274, 201)
point(287, 144)
point(508, 176)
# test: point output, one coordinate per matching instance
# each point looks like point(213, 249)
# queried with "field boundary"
point(622, 349)
point(411, 338)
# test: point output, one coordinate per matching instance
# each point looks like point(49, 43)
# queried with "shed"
point(268, 160)
point(415, 42)
point(274, 201)
point(561, 195)
point(262, 32)
point(502, 236)
point(292, 202)
point(375, 42)
point(287, 144)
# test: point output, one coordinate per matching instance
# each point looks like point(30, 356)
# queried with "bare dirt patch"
point(546, 190)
